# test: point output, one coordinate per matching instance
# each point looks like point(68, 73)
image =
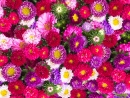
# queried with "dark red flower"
point(127, 81)
point(42, 94)
point(84, 12)
point(126, 12)
point(76, 93)
point(88, 1)
point(44, 53)
point(13, 18)
point(3, 60)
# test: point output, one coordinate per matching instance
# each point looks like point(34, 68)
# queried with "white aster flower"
point(27, 22)
point(4, 92)
point(94, 75)
point(66, 75)
point(2, 79)
point(115, 22)
point(32, 36)
point(98, 19)
point(52, 65)
point(65, 92)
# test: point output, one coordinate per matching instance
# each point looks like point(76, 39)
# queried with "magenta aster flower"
point(27, 11)
point(11, 72)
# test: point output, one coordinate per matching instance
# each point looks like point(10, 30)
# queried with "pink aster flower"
point(2, 3)
point(1, 12)
point(46, 23)
point(71, 4)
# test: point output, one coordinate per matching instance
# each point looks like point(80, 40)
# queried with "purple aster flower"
point(92, 85)
point(75, 17)
point(27, 11)
point(96, 62)
point(58, 54)
point(87, 26)
point(11, 72)
point(120, 88)
point(99, 8)
point(126, 25)
point(55, 76)
point(95, 95)
point(121, 62)
point(107, 28)
point(32, 79)
point(77, 43)
point(76, 83)
point(107, 53)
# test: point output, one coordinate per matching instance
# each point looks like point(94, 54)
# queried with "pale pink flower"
point(71, 4)
point(1, 12)
point(2, 3)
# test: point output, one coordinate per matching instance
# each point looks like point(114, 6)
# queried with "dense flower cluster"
point(64, 48)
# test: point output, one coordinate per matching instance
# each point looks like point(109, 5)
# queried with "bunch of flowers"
point(64, 48)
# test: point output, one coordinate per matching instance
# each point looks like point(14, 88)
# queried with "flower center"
point(115, 8)
point(21, 44)
point(122, 62)
point(3, 92)
point(97, 50)
point(104, 85)
point(13, 18)
point(59, 9)
point(30, 51)
point(1, 60)
point(3, 41)
point(26, 11)
point(57, 54)
point(2, 24)
point(10, 71)
point(85, 12)
point(66, 74)
point(105, 68)
point(76, 44)
point(71, 61)
point(44, 52)
point(115, 21)
point(78, 95)
point(93, 73)
point(66, 92)
point(50, 89)
point(75, 17)
point(129, 13)
point(47, 26)
point(31, 37)
point(32, 79)
point(42, 8)
point(83, 72)
point(98, 7)
point(96, 39)
point(16, 87)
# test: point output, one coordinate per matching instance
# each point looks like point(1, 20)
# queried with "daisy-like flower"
point(44, 52)
point(115, 22)
point(106, 53)
point(120, 88)
point(126, 25)
point(27, 22)
point(13, 18)
point(98, 19)
point(31, 52)
point(66, 75)
point(76, 83)
point(58, 54)
point(11, 72)
point(66, 91)
point(13, 4)
point(94, 75)
point(4, 92)
point(17, 44)
point(27, 11)
point(1, 12)
point(99, 8)
point(78, 93)
point(3, 60)
point(84, 12)
point(71, 4)
point(52, 65)
point(86, 26)
point(32, 36)
point(92, 85)
point(126, 12)
point(96, 62)
point(2, 79)
point(46, 23)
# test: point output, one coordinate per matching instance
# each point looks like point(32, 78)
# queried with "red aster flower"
point(13, 18)
point(127, 81)
point(84, 55)
point(83, 71)
point(14, 4)
point(115, 8)
point(43, 6)
point(76, 93)
point(106, 69)
point(42, 71)
point(16, 88)
point(53, 39)
point(96, 50)
point(30, 92)
point(3, 60)
point(126, 12)
point(105, 85)
point(41, 94)
point(31, 52)
point(17, 96)
point(84, 12)
point(88, 1)
point(118, 75)
point(71, 61)
point(44, 53)
point(5, 25)
point(110, 41)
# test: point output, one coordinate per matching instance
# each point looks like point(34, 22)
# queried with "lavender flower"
point(76, 83)
point(87, 26)
point(107, 53)
point(96, 62)
point(92, 86)
point(120, 88)
point(126, 25)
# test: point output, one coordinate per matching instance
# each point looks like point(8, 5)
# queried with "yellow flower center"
point(122, 62)
point(16, 87)
point(85, 12)
point(42, 8)
point(59, 9)
point(11, 71)
point(3, 41)
point(21, 44)
point(13, 18)
point(115, 21)
point(78, 95)
point(47, 26)
point(105, 68)
point(98, 7)
point(83, 72)
point(75, 17)
point(97, 50)
point(115, 8)
point(71, 61)
point(57, 54)
point(30, 51)
point(26, 11)
point(32, 79)
point(3, 92)
point(44, 52)
point(1, 60)
point(129, 13)
point(93, 73)
point(66, 74)
point(77, 44)
point(104, 85)
point(31, 36)
point(66, 92)
point(2, 24)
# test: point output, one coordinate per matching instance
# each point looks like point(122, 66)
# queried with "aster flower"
point(17, 96)
point(17, 44)
point(98, 19)
point(84, 12)
point(125, 12)
point(3, 3)
point(99, 8)
point(74, 17)
point(2, 79)
point(86, 26)
point(78, 94)
point(27, 11)
point(46, 23)
point(126, 25)
point(13, 18)
point(94, 75)
point(28, 23)
point(71, 4)
point(11, 72)
point(3, 60)
point(4, 92)
point(66, 75)
point(95, 95)
point(52, 65)
point(42, 94)
point(120, 88)
point(92, 85)
point(106, 53)
point(13, 4)
point(77, 43)
point(1, 12)
point(44, 52)
point(58, 54)
point(121, 61)
point(31, 52)
point(96, 62)
point(127, 81)
point(32, 36)
point(76, 83)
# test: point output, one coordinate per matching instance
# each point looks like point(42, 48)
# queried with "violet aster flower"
point(92, 85)
point(96, 62)
point(120, 88)
point(106, 54)
point(32, 79)
point(95, 95)
point(76, 83)
point(77, 43)
point(121, 62)
point(11, 72)
point(58, 54)
point(86, 26)
point(27, 11)
point(107, 28)
point(99, 8)
point(126, 25)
